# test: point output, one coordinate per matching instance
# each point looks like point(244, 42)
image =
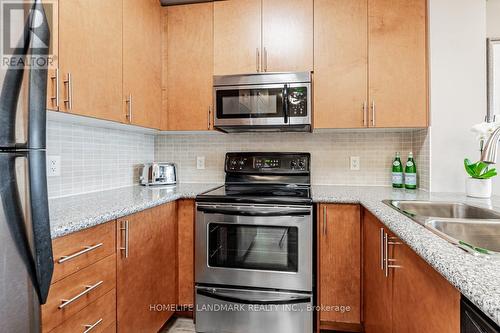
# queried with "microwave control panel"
point(297, 102)
point(281, 163)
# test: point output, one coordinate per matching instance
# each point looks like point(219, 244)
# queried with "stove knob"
point(302, 164)
point(242, 163)
point(293, 164)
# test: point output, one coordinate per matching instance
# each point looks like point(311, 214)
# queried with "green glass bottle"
point(397, 172)
point(410, 173)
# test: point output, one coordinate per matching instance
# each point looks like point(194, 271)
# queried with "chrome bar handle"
point(129, 108)
point(55, 79)
point(382, 257)
point(258, 59)
point(209, 117)
point(124, 227)
point(265, 59)
point(324, 220)
point(66, 302)
point(86, 249)
point(373, 113)
point(389, 241)
point(386, 259)
point(69, 101)
point(89, 328)
point(365, 111)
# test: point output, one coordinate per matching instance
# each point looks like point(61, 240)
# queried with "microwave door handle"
point(227, 297)
point(285, 103)
point(229, 211)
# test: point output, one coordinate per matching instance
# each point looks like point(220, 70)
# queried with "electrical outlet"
point(200, 162)
point(53, 166)
point(355, 163)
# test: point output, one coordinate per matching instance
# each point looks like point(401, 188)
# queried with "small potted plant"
point(478, 184)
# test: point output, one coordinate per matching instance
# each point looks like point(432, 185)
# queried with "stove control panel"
point(256, 163)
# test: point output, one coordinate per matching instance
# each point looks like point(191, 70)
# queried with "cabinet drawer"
point(97, 317)
point(81, 249)
point(73, 293)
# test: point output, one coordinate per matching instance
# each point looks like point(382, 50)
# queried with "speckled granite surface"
point(73, 213)
point(477, 278)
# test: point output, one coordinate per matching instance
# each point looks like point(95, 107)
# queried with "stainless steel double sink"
point(472, 228)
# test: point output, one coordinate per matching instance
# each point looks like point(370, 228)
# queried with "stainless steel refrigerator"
point(26, 263)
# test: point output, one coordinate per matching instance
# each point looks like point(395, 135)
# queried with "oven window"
point(253, 247)
point(250, 103)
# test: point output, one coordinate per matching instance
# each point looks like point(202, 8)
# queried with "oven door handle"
point(234, 299)
point(230, 211)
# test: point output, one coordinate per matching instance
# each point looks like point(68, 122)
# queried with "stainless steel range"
point(254, 247)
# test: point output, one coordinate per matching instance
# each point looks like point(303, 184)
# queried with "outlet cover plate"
point(200, 162)
point(355, 163)
point(53, 166)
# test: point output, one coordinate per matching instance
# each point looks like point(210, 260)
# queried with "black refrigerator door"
point(24, 87)
point(25, 214)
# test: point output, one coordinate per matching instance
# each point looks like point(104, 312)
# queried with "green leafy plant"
point(479, 170)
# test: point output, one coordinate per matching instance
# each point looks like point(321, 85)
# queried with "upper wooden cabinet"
point(398, 63)
point(237, 36)
point(339, 263)
point(394, 277)
point(370, 63)
point(90, 58)
point(142, 62)
point(189, 44)
point(263, 36)
point(340, 63)
point(51, 8)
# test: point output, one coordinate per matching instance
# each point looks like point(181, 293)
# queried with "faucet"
point(489, 154)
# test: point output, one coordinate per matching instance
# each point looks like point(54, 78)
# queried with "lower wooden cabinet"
point(339, 267)
point(185, 253)
point(146, 269)
point(408, 295)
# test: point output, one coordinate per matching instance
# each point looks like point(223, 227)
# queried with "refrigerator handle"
point(38, 78)
point(40, 222)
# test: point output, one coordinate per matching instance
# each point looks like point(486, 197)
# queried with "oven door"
point(254, 246)
point(263, 105)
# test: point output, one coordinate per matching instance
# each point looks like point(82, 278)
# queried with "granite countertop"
point(77, 212)
point(477, 278)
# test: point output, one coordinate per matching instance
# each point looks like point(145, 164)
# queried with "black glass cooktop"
point(265, 194)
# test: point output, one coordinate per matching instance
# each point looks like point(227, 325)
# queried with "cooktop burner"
point(266, 178)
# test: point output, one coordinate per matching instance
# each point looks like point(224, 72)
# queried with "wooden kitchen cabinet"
point(253, 36)
point(397, 62)
point(287, 35)
point(339, 263)
point(146, 274)
point(142, 62)
point(237, 37)
point(189, 66)
point(185, 254)
point(90, 58)
point(370, 64)
point(412, 297)
point(340, 63)
point(51, 8)
point(377, 288)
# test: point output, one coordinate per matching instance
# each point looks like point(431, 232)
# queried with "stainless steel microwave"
point(263, 102)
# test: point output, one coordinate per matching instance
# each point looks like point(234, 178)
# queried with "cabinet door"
point(287, 35)
point(397, 63)
point(147, 275)
point(340, 63)
point(237, 37)
point(189, 67)
point(142, 62)
point(185, 256)
point(423, 301)
point(51, 8)
point(90, 51)
point(377, 288)
point(339, 234)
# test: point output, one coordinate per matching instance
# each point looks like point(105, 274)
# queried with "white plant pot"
point(478, 188)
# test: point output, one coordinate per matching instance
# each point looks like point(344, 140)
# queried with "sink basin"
point(445, 210)
point(482, 236)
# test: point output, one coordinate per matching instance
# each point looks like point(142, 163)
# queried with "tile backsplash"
point(330, 153)
point(94, 158)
